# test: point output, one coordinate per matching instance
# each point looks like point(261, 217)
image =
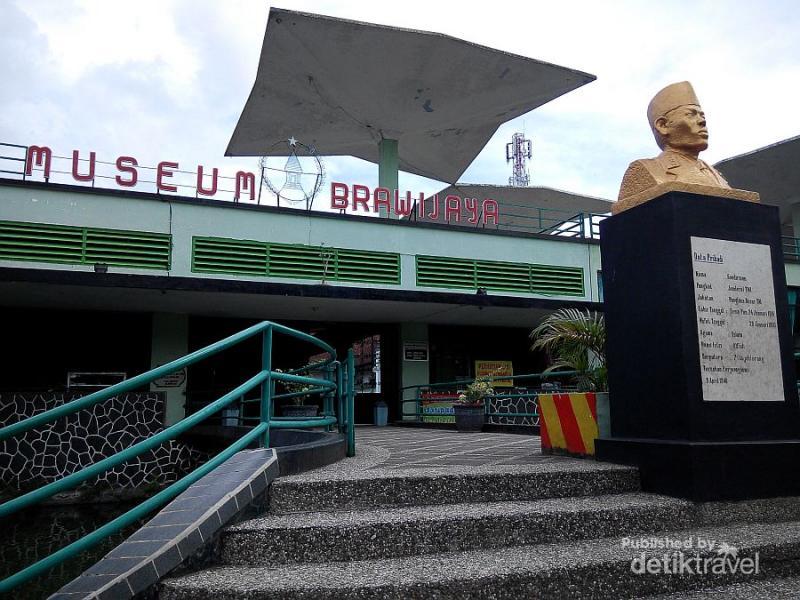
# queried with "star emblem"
point(292, 141)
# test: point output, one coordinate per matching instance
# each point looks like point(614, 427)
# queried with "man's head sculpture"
point(677, 120)
point(679, 126)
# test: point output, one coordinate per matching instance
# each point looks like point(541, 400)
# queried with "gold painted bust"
point(679, 126)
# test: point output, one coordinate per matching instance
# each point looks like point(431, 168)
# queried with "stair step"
point(388, 533)
point(787, 588)
point(600, 568)
point(374, 488)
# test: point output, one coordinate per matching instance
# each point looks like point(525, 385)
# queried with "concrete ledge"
point(376, 487)
point(599, 568)
point(182, 528)
point(317, 537)
point(300, 450)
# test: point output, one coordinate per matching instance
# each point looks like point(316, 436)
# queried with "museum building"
point(105, 275)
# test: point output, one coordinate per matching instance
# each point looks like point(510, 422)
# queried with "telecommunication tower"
point(518, 151)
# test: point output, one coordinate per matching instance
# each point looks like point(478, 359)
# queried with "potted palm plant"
point(576, 341)
point(469, 407)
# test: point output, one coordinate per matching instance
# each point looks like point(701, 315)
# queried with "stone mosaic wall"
point(513, 405)
point(52, 451)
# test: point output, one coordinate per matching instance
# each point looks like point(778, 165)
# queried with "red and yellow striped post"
point(568, 423)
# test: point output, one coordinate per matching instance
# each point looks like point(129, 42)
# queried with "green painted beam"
point(388, 171)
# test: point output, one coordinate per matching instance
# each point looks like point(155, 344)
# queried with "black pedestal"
point(685, 444)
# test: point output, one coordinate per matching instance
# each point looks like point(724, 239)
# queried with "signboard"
point(495, 368)
point(451, 208)
point(415, 351)
point(173, 380)
point(737, 327)
point(437, 407)
point(125, 172)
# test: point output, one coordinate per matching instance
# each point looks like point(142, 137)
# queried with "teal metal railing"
point(791, 248)
point(338, 388)
point(448, 392)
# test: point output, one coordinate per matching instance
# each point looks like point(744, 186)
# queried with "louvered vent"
point(138, 249)
point(436, 271)
point(301, 262)
point(244, 257)
point(219, 255)
point(442, 272)
point(83, 245)
point(369, 267)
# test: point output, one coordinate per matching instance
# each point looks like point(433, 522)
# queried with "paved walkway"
point(415, 448)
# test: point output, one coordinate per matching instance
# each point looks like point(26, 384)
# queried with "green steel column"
point(266, 386)
point(351, 392)
point(388, 168)
point(340, 414)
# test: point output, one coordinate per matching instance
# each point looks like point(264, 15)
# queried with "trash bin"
point(381, 412)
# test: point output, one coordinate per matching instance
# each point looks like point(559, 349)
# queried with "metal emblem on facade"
point(296, 178)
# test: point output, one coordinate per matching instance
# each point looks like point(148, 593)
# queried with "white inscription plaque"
point(736, 321)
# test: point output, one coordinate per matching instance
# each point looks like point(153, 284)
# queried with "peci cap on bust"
point(672, 96)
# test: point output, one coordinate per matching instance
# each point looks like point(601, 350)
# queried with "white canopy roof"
point(341, 86)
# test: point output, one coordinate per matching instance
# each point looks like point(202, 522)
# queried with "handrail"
point(417, 398)
point(70, 481)
point(543, 375)
point(791, 247)
point(129, 517)
point(156, 373)
point(333, 388)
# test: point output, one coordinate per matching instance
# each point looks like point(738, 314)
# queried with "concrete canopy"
point(342, 86)
point(772, 171)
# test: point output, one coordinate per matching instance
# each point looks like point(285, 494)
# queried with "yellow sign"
point(495, 368)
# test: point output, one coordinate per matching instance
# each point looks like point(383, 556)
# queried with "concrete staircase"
point(549, 530)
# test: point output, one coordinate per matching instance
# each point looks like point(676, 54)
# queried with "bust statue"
point(679, 126)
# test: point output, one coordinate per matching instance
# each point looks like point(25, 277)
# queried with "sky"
point(167, 79)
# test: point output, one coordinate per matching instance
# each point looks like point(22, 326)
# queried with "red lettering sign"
point(380, 199)
point(472, 208)
point(403, 207)
point(76, 162)
point(360, 196)
point(38, 155)
point(383, 200)
point(127, 164)
point(490, 210)
point(452, 207)
point(245, 182)
point(339, 195)
point(162, 173)
point(213, 189)
point(435, 214)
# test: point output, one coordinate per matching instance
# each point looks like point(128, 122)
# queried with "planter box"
point(568, 423)
point(469, 417)
point(303, 410)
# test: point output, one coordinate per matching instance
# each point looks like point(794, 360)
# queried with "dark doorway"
point(454, 350)
point(217, 375)
point(43, 346)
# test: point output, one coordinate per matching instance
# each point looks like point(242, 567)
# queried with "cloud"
point(168, 80)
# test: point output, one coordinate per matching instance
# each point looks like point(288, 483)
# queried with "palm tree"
point(575, 340)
